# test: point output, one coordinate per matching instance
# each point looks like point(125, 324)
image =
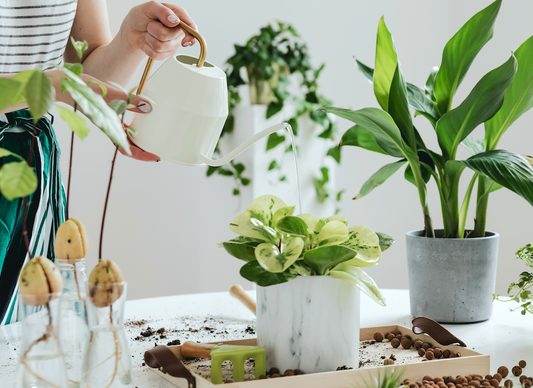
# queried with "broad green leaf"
point(273, 166)
point(242, 248)
point(74, 121)
point(323, 259)
point(460, 52)
point(257, 220)
point(382, 126)
point(76, 68)
point(119, 106)
point(368, 72)
point(399, 107)
point(507, 169)
point(271, 259)
point(518, 97)
point(427, 166)
point(282, 212)
point(293, 226)
point(385, 241)
point(360, 137)
point(95, 108)
point(311, 221)
point(474, 145)
point(4, 152)
point(253, 272)
point(333, 233)
point(302, 269)
point(422, 103)
point(360, 279)
point(379, 177)
point(17, 180)
point(40, 94)
point(430, 84)
point(274, 140)
point(386, 64)
point(23, 77)
point(365, 243)
point(338, 218)
point(480, 105)
point(80, 47)
point(9, 91)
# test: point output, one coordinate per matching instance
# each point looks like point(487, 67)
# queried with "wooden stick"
point(238, 293)
point(193, 349)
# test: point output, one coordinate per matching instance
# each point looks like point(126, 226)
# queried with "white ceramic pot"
point(309, 323)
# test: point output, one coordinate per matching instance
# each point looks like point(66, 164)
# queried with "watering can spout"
point(233, 154)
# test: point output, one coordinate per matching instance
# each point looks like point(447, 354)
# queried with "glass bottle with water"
point(73, 328)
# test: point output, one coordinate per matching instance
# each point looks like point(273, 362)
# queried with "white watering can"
point(191, 106)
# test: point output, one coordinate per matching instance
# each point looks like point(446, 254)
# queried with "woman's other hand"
point(153, 28)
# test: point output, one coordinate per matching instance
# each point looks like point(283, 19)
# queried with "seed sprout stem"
point(70, 166)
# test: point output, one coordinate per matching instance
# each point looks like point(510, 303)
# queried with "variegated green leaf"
point(271, 259)
point(282, 212)
point(385, 241)
point(257, 220)
point(323, 259)
point(253, 272)
point(365, 243)
point(293, 226)
point(311, 221)
point(360, 279)
point(338, 218)
point(241, 247)
point(334, 232)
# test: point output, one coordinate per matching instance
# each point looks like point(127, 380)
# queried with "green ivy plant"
point(269, 59)
point(522, 289)
point(497, 101)
point(17, 178)
point(278, 246)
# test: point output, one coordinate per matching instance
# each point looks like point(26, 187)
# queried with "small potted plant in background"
point(452, 271)
point(309, 275)
point(522, 289)
point(283, 86)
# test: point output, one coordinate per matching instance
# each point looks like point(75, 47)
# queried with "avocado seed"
point(38, 280)
point(71, 243)
point(105, 284)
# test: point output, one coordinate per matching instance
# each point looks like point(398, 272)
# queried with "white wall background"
point(164, 219)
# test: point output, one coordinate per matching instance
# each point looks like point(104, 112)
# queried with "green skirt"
point(46, 210)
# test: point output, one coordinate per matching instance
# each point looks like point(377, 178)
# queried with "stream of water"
point(295, 155)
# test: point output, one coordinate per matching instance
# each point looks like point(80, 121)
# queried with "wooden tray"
point(470, 362)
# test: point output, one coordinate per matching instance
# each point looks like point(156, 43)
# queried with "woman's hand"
point(139, 106)
point(153, 28)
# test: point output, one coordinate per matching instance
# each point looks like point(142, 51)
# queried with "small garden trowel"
point(238, 293)
point(219, 353)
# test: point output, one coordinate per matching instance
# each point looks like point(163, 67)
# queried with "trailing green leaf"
point(379, 177)
point(17, 180)
point(75, 122)
point(322, 260)
point(253, 272)
point(40, 94)
point(360, 279)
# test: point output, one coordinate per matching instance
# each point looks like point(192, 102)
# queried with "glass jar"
point(41, 363)
point(73, 327)
point(108, 360)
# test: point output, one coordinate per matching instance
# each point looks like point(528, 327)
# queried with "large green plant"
point(269, 58)
point(277, 246)
point(497, 100)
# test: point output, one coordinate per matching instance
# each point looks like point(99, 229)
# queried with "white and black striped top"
point(34, 33)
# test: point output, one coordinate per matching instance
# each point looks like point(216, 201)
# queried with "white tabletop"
point(507, 337)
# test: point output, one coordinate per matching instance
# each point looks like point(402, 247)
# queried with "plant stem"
point(464, 208)
point(105, 205)
point(480, 221)
point(422, 194)
point(27, 198)
point(70, 166)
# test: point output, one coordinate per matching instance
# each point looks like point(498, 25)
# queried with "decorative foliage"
point(269, 59)
point(497, 100)
point(522, 291)
point(278, 247)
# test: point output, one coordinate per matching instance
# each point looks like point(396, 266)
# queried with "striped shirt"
point(34, 33)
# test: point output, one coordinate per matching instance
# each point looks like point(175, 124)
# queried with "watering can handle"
point(201, 58)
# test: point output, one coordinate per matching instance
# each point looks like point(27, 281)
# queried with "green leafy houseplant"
point(270, 59)
point(277, 246)
point(523, 287)
point(497, 100)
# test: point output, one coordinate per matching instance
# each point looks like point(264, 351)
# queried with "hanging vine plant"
point(269, 59)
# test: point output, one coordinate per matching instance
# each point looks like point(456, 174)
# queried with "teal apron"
point(46, 210)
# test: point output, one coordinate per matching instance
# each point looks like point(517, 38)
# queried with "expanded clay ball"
point(406, 343)
point(289, 372)
point(418, 343)
point(438, 352)
point(517, 371)
point(395, 342)
point(446, 353)
point(426, 345)
point(498, 377)
point(395, 332)
point(274, 370)
point(421, 352)
point(495, 383)
point(391, 336)
point(522, 363)
point(503, 371)
point(508, 384)
point(522, 378)
point(453, 355)
point(378, 336)
point(275, 375)
point(430, 355)
point(298, 372)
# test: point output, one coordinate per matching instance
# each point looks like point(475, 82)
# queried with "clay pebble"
point(508, 384)
point(378, 336)
point(406, 343)
point(395, 342)
point(517, 371)
point(522, 363)
point(498, 377)
point(503, 371)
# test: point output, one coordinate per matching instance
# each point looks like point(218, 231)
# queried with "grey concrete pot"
point(452, 280)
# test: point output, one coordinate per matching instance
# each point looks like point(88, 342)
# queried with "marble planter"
point(309, 323)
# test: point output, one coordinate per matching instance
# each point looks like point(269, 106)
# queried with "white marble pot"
point(310, 323)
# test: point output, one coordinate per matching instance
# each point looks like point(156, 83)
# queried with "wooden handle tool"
point(238, 293)
point(193, 349)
